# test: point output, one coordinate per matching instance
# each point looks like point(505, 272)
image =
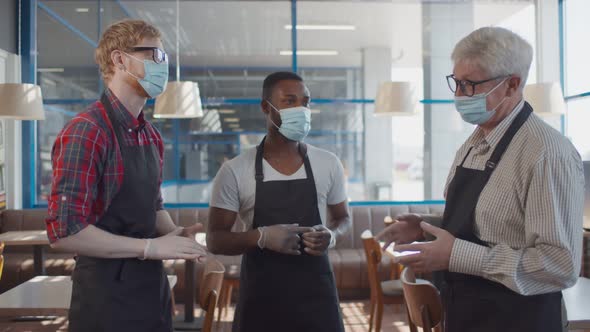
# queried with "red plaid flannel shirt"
point(88, 166)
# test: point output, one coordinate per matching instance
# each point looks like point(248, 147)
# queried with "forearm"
point(528, 271)
point(341, 226)
point(164, 223)
point(94, 242)
point(223, 242)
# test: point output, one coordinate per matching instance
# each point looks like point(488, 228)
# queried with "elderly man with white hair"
point(511, 233)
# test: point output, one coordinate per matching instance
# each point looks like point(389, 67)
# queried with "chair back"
point(423, 301)
point(210, 290)
point(373, 254)
point(1, 258)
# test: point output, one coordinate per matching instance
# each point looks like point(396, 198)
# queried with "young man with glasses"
point(105, 203)
point(511, 236)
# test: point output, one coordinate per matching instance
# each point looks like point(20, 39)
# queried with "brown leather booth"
point(348, 258)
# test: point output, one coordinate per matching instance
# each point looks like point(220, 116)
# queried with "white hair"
point(497, 51)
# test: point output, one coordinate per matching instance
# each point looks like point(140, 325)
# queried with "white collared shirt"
point(530, 212)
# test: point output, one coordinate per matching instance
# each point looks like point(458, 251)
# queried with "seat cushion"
point(392, 287)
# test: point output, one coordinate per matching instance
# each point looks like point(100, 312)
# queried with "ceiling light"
point(21, 102)
point(233, 120)
point(82, 10)
point(321, 27)
point(396, 98)
point(310, 52)
point(181, 99)
point(234, 125)
point(226, 111)
point(50, 70)
point(545, 98)
point(315, 111)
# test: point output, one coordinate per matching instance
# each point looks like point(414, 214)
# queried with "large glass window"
point(576, 73)
point(345, 49)
point(577, 53)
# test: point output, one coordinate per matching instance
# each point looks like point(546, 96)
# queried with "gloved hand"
point(319, 240)
point(282, 238)
point(173, 246)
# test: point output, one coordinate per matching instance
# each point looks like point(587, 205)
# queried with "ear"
point(264, 106)
point(513, 85)
point(117, 59)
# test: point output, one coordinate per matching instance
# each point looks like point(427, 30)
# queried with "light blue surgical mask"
point(156, 76)
point(474, 109)
point(295, 122)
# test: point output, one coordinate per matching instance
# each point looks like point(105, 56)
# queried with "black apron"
point(476, 304)
point(125, 294)
point(281, 292)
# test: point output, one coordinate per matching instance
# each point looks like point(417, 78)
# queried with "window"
point(345, 49)
point(577, 72)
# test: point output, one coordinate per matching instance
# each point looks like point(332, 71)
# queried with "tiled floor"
point(355, 319)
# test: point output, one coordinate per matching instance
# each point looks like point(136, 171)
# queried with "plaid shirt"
point(88, 166)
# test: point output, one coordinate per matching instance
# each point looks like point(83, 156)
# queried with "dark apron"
point(125, 294)
point(476, 304)
point(281, 292)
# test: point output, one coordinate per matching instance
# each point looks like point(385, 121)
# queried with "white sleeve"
point(225, 193)
point(337, 193)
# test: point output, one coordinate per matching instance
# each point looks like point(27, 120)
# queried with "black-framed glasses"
point(466, 86)
point(158, 55)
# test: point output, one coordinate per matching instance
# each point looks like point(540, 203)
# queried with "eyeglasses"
point(466, 86)
point(158, 55)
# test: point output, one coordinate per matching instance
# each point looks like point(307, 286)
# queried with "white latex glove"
point(319, 240)
point(282, 238)
point(173, 246)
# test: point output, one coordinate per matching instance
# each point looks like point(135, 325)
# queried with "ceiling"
point(248, 33)
point(230, 46)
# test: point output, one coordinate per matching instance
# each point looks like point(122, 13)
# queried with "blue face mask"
point(295, 122)
point(155, 78)
point(474, 109)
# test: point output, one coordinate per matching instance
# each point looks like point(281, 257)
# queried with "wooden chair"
point(1, 258)
point(231, 281)
point(210, 289)
point(382, 292)
point(423, 302)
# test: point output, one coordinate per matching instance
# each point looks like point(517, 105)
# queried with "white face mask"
point(295, 122)
point(474, 109)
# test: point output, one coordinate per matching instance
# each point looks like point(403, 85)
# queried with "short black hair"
point(271, 81)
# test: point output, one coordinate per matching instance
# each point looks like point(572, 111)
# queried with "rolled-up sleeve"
point(77, 158)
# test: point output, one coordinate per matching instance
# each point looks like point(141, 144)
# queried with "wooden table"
point(577, 303)
point(189, 322)
point(42, 295)
point(37, 239)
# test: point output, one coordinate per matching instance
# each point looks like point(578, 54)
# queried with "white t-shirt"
point(234, 187)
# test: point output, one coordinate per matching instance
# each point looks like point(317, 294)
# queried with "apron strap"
point(507, 138)
point(104, 100)
point(259, 176)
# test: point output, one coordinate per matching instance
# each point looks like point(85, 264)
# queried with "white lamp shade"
point(21, 102)
point(396, 98)
point(180, 100)
point(545, 98)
